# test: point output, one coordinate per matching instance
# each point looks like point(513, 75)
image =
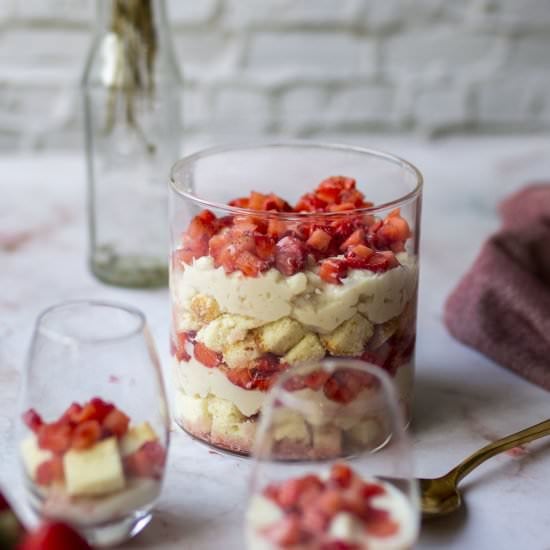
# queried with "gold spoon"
point(441, 496)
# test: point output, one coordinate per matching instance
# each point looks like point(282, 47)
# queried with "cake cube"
point(327, 441)
point(204, 308)
point(279, 336)
point(135, 437)
point(94, 471)
point(228, 423)
point(366, 433)
point(350, 337)
point(242, 353)
point(194, 410)
point(225, 330)
point(33, 455)
point(309, 348)
point(290, 425)
point(383, 332)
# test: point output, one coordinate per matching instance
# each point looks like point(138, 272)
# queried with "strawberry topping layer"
point(252, 244)
point(310, 503)
point(82, 426)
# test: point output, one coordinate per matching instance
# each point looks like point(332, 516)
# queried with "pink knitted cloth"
point(501, 307)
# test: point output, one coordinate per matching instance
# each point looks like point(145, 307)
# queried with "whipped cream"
point(319, 305)
point(200, 381)
point(138, 494)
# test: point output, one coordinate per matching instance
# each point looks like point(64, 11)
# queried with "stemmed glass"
point(333, 465)
point(93, 423)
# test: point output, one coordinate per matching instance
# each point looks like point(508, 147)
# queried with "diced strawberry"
point(277, 228)
point(50, 471)
point(209, 358)
point(55, 437)
point(314, 520)
point(265, 247)
point(32, 420)
point(242, 202)
point(319, 240)
point(290, 255)
point(249, 264)
point(343, 207)
point(382, 261)
point(356, 238)
point(98, 409)
point(333, 270)
point(86, 434)
point(72, 413)
point(289, 493)
point(385, 528)
point(273, 202)
point(371, 490)
point(260, 376)
point(342, 387)
point(54, 536)
point(116, 423)
point(256, 201)
point(357, 257)
point(285, 533)
point(310, 203)
point(341, 474)
point(147, 461)
point(177, 347)
point(316, 380)
point(331, 502)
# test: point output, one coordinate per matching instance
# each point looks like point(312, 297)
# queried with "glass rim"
point(130, 310)
point(297, 216)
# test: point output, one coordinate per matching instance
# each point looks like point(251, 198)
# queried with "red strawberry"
point(116, 423)
point(285, 533)
point(33, 420)
point(333, 270)
point(49, 471)
point(55, 437)
point(86, 434)
point(341, 474)
point(357, 237)
point(54, 536)
point(177, 347)
point(319, 240)
point(147, 461)
point(206, 356)
point(290, 255)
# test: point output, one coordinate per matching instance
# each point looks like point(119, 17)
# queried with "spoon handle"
point(524, 436)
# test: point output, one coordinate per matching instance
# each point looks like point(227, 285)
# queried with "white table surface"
point(462, 399)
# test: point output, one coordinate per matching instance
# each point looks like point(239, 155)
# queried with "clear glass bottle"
point(131, 88)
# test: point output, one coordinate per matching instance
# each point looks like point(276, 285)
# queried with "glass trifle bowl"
point(283, 254)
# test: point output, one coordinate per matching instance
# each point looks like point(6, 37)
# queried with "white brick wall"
point(302, 68)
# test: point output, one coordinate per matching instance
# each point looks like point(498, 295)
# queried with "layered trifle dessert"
point(336, 511)
point(91, 466)
point(270, 285)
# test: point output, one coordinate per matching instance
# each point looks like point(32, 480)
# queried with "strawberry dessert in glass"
point(92, 465)
point(283, 255)
point(338, 510)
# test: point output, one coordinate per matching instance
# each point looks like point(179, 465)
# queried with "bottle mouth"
point(181, 182)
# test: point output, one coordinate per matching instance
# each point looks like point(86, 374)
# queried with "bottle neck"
point(110, 14)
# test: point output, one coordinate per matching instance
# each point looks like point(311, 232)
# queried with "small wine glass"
point(93, 430)
point(333, 463)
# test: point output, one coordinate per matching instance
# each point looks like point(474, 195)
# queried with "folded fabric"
point(501, 307)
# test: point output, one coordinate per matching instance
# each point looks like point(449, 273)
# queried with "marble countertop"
point(462, 399)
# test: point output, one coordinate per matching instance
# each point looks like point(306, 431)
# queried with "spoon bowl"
point(440, 496)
